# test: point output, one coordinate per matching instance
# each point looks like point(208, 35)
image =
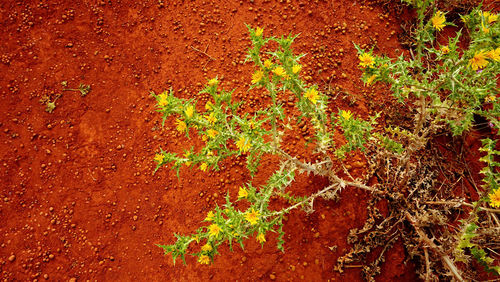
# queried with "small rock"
point(12, 258)
point(272, 276)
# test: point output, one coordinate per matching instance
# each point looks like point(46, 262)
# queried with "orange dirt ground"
point(78, 198)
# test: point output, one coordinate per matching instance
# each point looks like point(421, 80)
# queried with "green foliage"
point(491, 176)
point(456, 83)
point(357, 132)
point(389, 144)
point(465, 243)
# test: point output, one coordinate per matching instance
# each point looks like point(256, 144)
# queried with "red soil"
point(78, 197)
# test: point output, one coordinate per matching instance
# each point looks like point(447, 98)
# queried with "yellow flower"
point(268, 63)
point(212, 81)
point(181, 125)
point(251, 124)
point(208, 106)
point(187, 155)
point(494, 54)
point(296, 68)
point(242, 193)
point(210, 216)
point(279, 71)
point(206, 248)
point(312, 95)
point(159, 158)
point(366, 60)
point(214, 230)
point(196, 238)
point(189, 111)
point(490, 18)
point(258, 31)
point(243, 144)
point(204, 138)
point(445, 49)
point(438, 21)
point(204, 259)
point(346, 115)
point(212, 133)
point(252, 216)
point(464, 19)
point(257, 76)
point(495, 199)
point(163, 100)
point(478, 61)
point(484, 28)
point(260, 238)
point(490, 98)
point(211, 118)
point(370, 79)
point(203, 167)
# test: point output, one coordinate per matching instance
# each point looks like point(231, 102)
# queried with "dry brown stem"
point(444, 257)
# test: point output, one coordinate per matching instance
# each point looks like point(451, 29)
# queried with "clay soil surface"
point(78, 198)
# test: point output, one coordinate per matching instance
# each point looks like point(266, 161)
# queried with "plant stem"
point(420, 11)
point(308, 199)
point(272, 91)
point(444, 257)
point(330, 174)
point(462, 204)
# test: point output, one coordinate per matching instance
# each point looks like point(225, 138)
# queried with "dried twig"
point(427, 265)
point(461, 204)
point(90, 173)
point(444, 257)
point(204, 53)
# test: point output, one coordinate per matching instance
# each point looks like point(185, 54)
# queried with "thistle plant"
point(445, 85)
point(227, 133)
point(450, 85)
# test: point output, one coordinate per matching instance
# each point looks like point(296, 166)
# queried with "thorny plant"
point(445, 85)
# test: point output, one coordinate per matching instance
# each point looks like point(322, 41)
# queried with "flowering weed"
point(445, 86)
